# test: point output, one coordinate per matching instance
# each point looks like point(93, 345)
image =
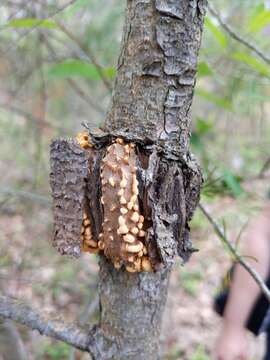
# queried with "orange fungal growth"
point(122, 233)
point(83, 140)
point(122, 238)
point(87, 241)
point(88, 244)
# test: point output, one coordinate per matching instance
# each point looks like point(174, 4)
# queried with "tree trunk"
point(131, 308)
point(150, 107)
point(151, 103)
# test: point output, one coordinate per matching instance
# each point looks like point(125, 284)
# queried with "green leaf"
point(253, 62)
point(233, 183)
point(110, 72)
point(259, 21)
point(214, 99)
point(32, 23)
point(78, 68)
point(203, 69)
point(220, 37)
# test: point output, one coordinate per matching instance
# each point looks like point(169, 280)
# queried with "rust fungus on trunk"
point(120, 198)
point(123, 233)
point(122, 236)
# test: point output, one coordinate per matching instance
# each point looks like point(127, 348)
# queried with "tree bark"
point(131, 308)
point(156, 70)
point(151, 105)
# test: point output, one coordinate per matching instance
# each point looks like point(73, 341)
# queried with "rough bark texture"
point(131, 311)
point(156, 70)
point(54, 327)
point(69, 170)
point(150, 107)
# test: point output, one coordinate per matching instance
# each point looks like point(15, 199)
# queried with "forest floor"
point(32, 271)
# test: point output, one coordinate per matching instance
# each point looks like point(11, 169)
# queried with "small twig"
point(24, 194)
point(87, 52)
point(11, 341)
point(16, 110)
point(52, 15)
point(265, 166)
point(74, 85)
point(52, 327)
point(89, 309)
point(83, 319)
point(79, 91)
point(237, 37)
point(256, 276)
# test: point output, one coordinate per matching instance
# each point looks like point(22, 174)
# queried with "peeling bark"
point(150, 107)
point(69, 170)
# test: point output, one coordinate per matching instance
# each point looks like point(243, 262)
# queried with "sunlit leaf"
point(32, 23)
point(110, 72)
point(218, 34)
point(253, 62)
point(259, 21)
point(203, 69)
point(78, 68)
point(214, 99)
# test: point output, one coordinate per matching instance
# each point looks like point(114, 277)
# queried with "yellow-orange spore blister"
point(122, 237)
point(87, 241)
point(83, 140)
point(88, 244)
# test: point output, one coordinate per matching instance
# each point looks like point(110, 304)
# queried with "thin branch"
point(28, 116)
point(74, 85)
point(87, 52)
point(16, 110)
point(52, 327)
point(26, 195)
point(12, 341)
point(237, 37)
point(79, 91)
point(220, 233)
point(264, 168)
point(83, 319)
point(52, 15)
point(28, 31)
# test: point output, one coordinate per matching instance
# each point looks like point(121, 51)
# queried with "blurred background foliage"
point(58, 62)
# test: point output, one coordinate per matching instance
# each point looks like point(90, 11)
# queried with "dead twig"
point(265, 167)
point(220, 233)
point(86, 52)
